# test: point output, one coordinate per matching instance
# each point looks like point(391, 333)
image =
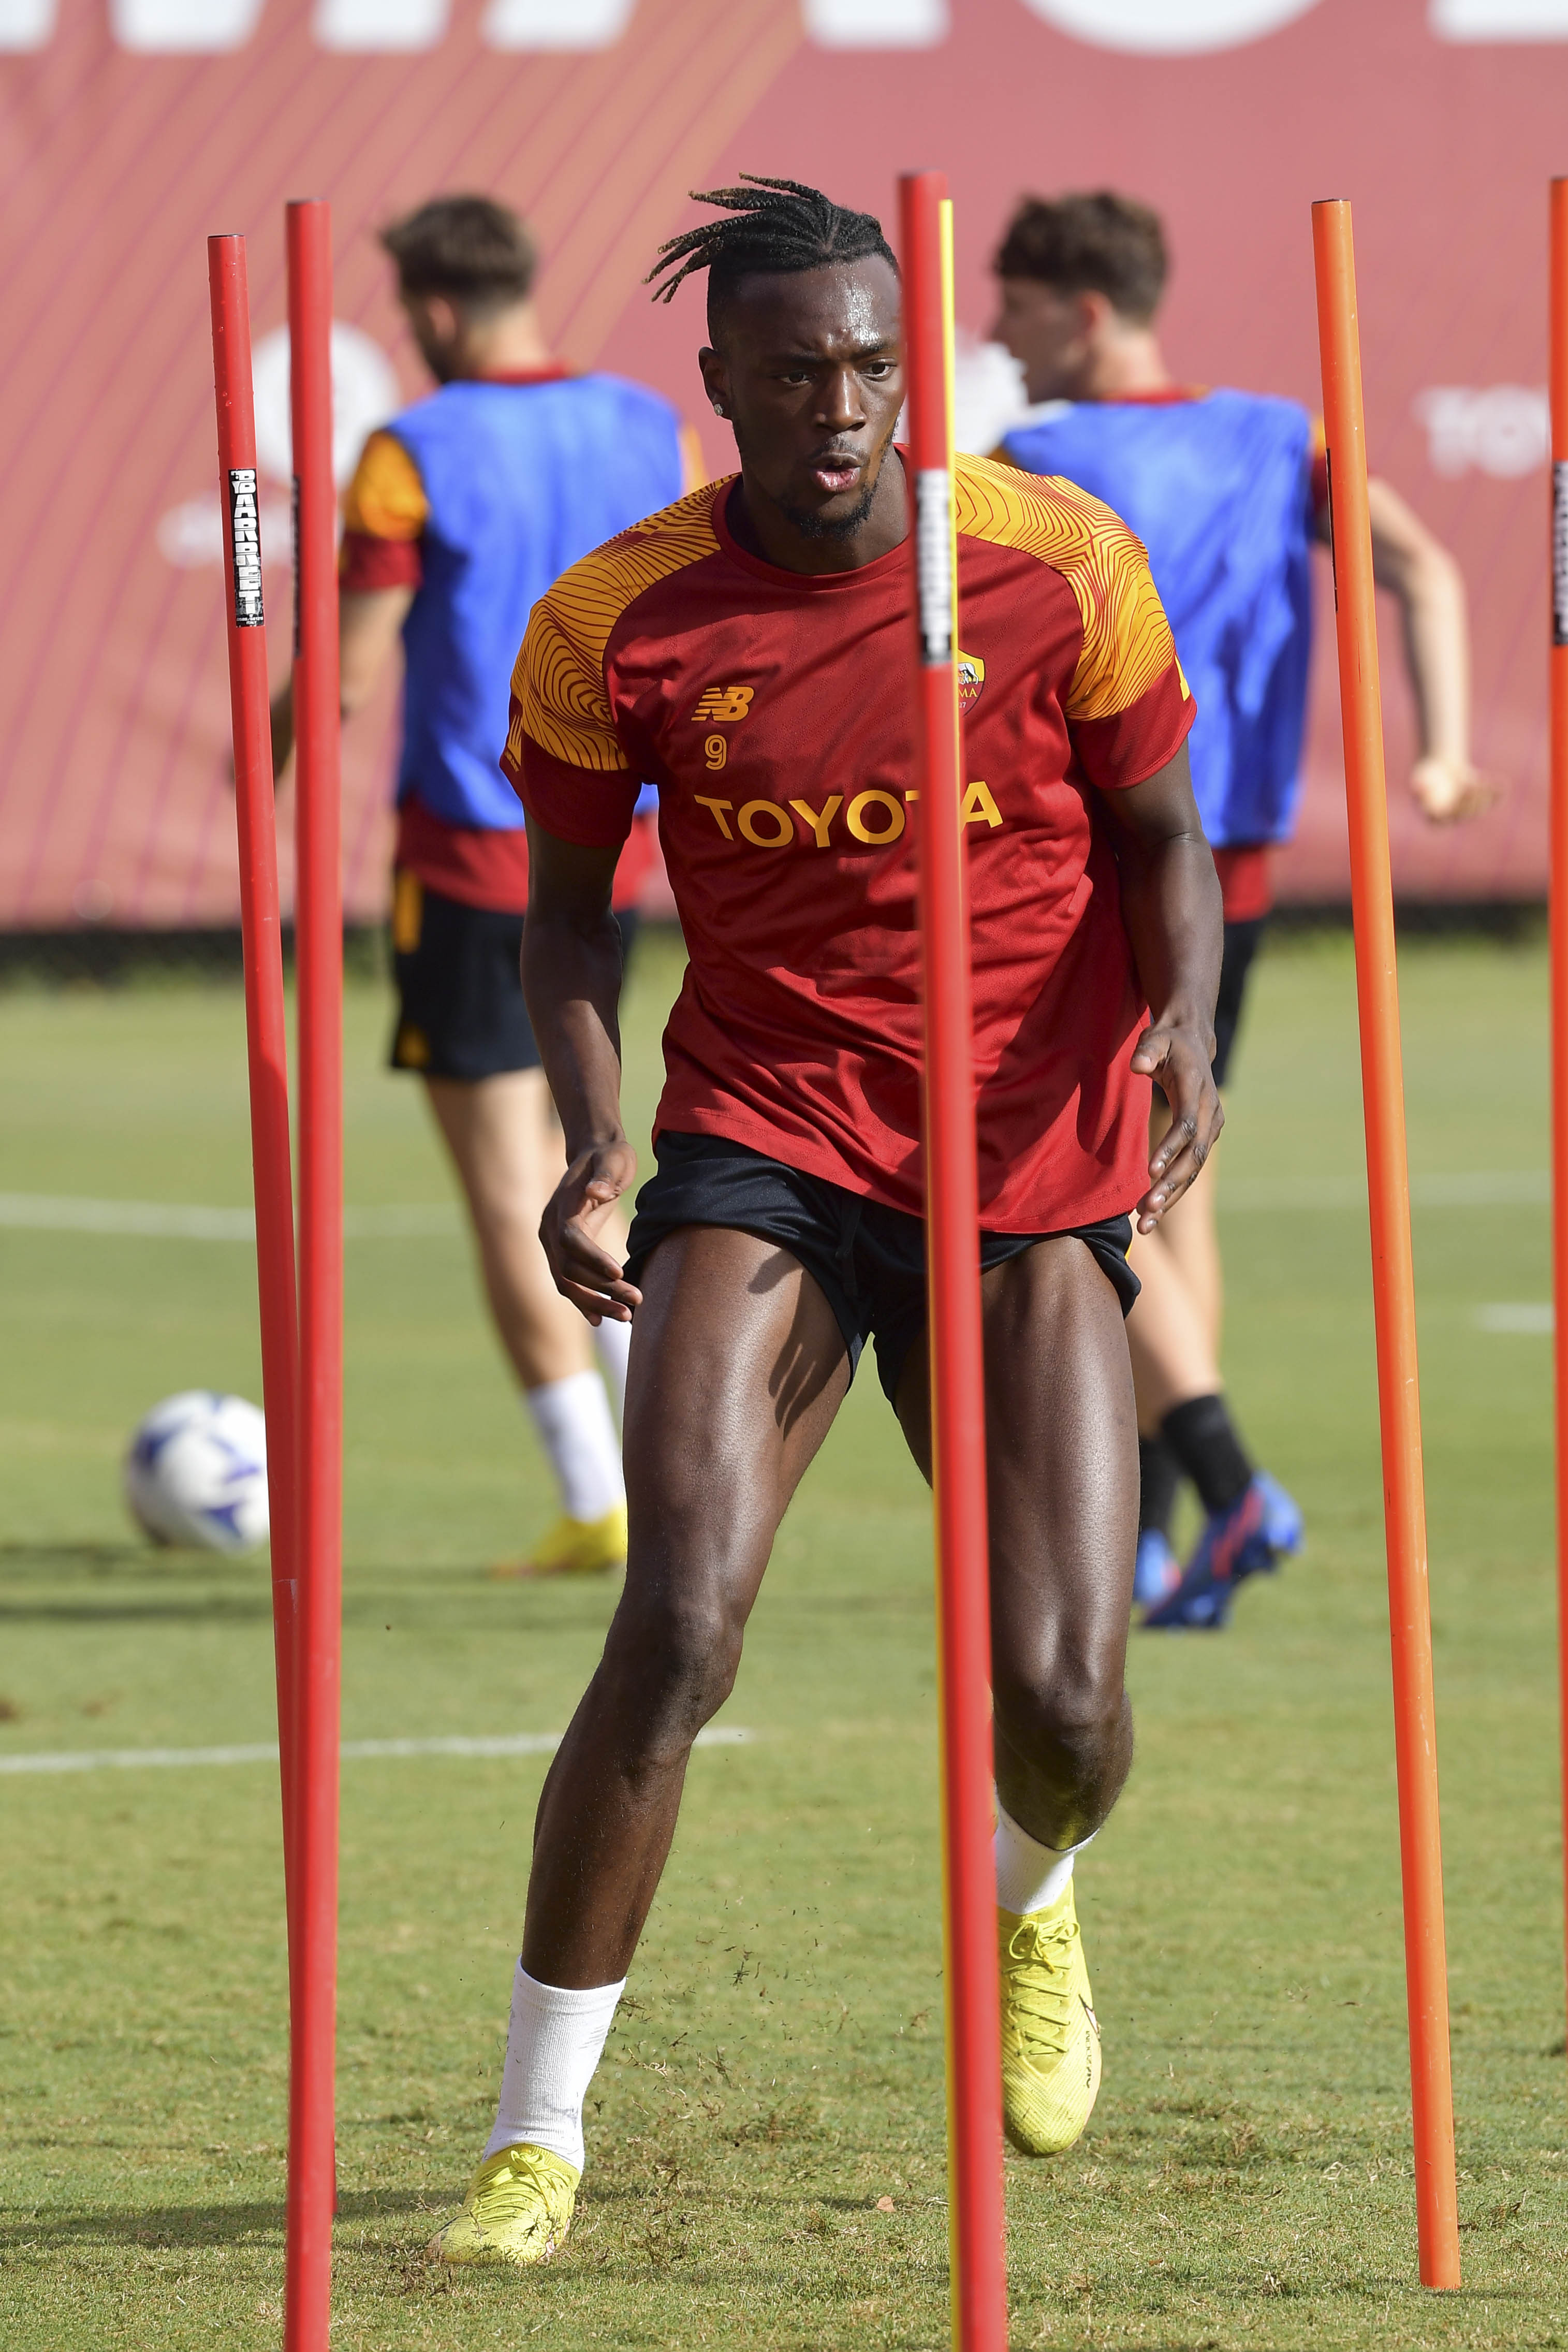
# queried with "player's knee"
point(1064, 1714)
point(675, 1662)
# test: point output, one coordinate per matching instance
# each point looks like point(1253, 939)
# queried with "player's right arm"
point(571, 979)
point(565, 758)
point(1416, 569)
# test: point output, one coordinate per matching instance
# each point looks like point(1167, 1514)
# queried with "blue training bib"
point(1218, 489)
point(521, 480)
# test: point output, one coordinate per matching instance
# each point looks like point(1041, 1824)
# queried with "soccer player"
point(1226, 490)
point(748, 651)
point(461, 513)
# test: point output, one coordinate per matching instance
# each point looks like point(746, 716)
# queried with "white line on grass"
point(1486, 1188)
point(353, 1751)
point(1530, 1317)
point(63, 1213)
point(1481, 1188)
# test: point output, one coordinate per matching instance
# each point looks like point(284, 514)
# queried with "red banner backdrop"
point(132, 128)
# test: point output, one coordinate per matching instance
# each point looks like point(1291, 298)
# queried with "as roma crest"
point(971, 680)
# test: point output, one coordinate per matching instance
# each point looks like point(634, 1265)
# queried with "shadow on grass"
point(194, 2225)
point(223, 1607)
point(171, 1584)
point(97, 1558)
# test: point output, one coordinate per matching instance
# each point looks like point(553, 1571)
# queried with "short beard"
point(811, 522)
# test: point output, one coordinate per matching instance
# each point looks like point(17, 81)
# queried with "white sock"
point(554, 2039)
point(572, 1417)
point(1030, 1876)
point(613, 1345)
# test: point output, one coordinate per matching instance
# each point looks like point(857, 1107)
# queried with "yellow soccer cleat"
point(576, 1548)
point(517, 2211)
point(1051, 2036)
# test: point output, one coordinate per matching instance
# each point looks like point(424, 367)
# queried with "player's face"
point(809, 372)
point(1049, 334)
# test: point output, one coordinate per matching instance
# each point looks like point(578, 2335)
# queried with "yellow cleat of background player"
point(517, 2211)
point(1051, 2037)
point(576, 1548)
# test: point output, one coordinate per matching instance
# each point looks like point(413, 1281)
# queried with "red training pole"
point(1559, 919)
point(1393, 1273)
point(319, 936)
point(262, 941)
point(977, 2214)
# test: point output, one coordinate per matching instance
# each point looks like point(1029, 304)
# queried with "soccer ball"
point(196, 1473)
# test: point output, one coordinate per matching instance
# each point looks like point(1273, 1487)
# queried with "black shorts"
point(1241, 947)
point(868, 1261)
point(461, 1013)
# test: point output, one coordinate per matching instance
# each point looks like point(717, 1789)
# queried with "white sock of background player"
point(612, 1345)
point(572, 1417)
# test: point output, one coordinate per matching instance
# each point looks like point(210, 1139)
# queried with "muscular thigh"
point(1062, 1460)
point(737, 1367)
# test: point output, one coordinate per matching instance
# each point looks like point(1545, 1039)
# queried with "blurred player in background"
point(461, 514)
point(1228, 490)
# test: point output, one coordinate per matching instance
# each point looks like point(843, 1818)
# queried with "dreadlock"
point(782, 229)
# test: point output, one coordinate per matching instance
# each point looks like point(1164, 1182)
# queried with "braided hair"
point(780, 227)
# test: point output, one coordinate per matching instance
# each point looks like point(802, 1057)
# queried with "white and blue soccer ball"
point(196, 1473)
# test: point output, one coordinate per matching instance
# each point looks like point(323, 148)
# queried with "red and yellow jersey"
point(773, 711)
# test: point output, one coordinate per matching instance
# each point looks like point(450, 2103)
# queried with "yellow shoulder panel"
point(386, 498)
point(558, 681)
point(1127, 642)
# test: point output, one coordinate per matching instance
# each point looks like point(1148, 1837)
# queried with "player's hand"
point(574, 1215)
point(1179, 1057)
point(1448, 791)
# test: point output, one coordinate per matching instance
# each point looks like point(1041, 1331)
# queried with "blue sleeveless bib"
point(522, 479)
point(1218, 489)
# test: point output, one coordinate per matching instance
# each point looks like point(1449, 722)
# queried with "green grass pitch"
point(777, 2072)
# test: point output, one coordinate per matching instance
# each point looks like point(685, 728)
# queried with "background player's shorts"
point(461, 1013)
point(868, 1261)
point(1241, 947)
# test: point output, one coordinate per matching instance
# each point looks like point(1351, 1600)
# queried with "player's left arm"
point(1418, 571)
point(380, 569)
point(370, 623)
point(1170, 905)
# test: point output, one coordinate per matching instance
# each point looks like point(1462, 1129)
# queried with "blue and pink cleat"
point(1261, 1527)
point(1157, 1570)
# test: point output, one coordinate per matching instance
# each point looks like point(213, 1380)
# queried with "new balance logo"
point(725, 704)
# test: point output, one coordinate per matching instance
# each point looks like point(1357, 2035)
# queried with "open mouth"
point(833, 475)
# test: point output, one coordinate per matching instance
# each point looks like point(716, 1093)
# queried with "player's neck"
point(1130, 361)
point(510, 343)
point(760, 524)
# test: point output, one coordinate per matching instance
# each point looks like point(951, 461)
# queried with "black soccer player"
point(746, 650)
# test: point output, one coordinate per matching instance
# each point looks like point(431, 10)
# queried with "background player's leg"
point(1062, 1471)
point(506, 1149)
point(506, 1146)
point(1061, 1474)
point(1189, 1233)
point(1251, 1523)
point(738, 1369)
point(1167, 1331)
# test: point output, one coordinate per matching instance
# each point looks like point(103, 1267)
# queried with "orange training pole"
point(1559, 906)
point(261, 938)
point(976, 2217)
point(1393, 1274)
point(318, 933)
